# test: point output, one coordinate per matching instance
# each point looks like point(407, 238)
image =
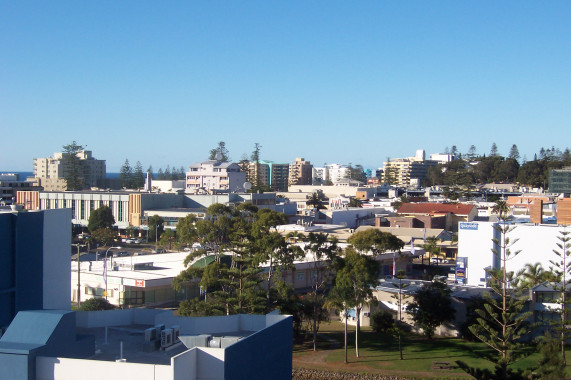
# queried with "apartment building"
point(258, 173)
point(50, 172)
point(300, 172)
point(560, 180)
point(410, 171)
point(333, 173)
point(213, 175)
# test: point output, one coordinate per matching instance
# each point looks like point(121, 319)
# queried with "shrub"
point(382, 321)
point(96, 304)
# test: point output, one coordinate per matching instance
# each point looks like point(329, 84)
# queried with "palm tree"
point(533, 275)
point(502, 209)
point(315, 201)
point(431, 246)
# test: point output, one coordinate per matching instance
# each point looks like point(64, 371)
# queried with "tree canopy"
point(102, 217)
point(376, 241)
point(431, 307)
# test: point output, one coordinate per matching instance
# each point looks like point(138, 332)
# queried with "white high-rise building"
point(332, 172)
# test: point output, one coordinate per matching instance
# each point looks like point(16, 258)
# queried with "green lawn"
point(380, 353)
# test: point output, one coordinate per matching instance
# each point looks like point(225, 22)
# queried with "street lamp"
point(78, 274)
point(105, 268)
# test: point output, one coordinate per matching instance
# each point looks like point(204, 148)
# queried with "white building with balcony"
point(214, 175)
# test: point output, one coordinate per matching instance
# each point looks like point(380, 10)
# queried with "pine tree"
point(126, 175)
point(219, 152)
point(514, 153)
point(256, 158)
point(494, 150)
point(72, 170)
point(502, 321)
point(471, 152)
point(562, 268)
point(138, 176)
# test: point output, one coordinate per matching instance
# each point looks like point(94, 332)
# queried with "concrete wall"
point(352, 218)
point(16, 367)
point(184, 365)
point(211, 366)
point(56, 268)
point(198, 325)
point(49, 368)
point(92, 319)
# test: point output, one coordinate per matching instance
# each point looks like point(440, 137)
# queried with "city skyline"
point(348, 83)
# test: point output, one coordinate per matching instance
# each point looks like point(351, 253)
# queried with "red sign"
point(140, 283)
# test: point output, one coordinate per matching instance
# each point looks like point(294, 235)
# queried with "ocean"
point(23, 175)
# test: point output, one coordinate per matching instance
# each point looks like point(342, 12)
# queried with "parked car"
point(122, 254)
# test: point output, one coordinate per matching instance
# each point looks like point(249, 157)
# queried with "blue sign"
point(468, 226)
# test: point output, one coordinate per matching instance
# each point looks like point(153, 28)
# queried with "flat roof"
point(131, 339)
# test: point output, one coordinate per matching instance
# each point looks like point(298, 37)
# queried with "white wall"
point(72, 369)
point(535, 243)
point(475, 243)
point(210, 363)
point(184, 365)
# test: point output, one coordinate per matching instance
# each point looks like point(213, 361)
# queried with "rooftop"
point(435, 208)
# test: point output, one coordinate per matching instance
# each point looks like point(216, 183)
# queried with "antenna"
point(218, 156)
point(247, 186)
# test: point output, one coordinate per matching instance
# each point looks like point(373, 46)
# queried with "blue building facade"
point(34, 262)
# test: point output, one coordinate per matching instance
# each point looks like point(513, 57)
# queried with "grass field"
point(379, 354)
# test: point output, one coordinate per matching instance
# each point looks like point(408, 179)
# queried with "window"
point(73, 209)
point(91, 205)
point(98, 292)
point(132, 297)
point(82, 212)
point(300, 276)
point(120, 213)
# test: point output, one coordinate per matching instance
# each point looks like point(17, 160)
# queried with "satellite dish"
point(218, 156)
point(247, 186)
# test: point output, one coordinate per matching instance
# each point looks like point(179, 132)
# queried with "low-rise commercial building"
point(133, 208)
point(476, 240)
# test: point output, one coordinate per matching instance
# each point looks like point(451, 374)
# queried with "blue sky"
point(330, 81)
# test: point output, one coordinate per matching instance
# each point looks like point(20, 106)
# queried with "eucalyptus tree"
point(322, 253)
point(375, 241)
point(400, 297)
point(356, 277)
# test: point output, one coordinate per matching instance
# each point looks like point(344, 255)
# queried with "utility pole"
point(78, 274)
